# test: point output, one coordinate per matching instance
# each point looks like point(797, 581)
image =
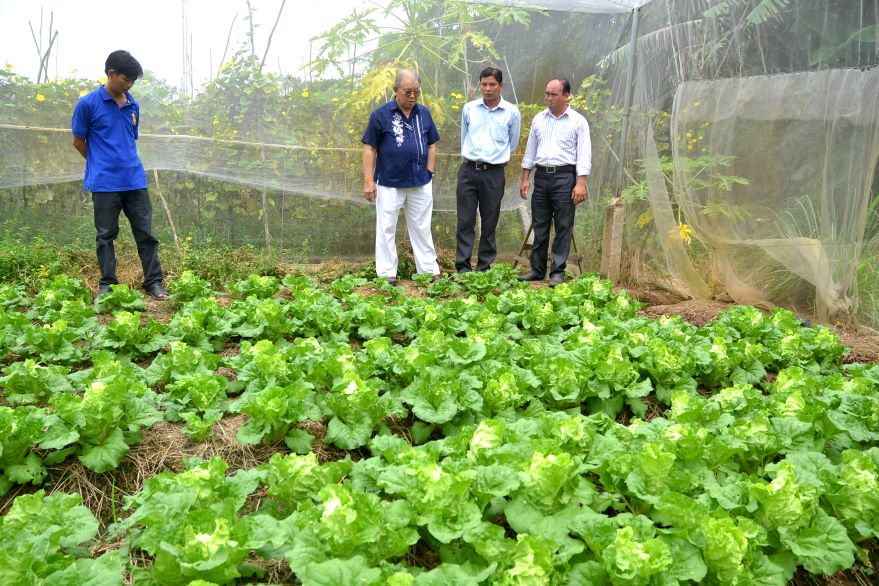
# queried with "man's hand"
point(579, 192)
point(369, 190)
point(369, 154)
point(525, 183)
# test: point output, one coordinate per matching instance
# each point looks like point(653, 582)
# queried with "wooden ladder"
point(574, 255)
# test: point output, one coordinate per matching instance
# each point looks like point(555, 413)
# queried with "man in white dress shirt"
point(559, 152)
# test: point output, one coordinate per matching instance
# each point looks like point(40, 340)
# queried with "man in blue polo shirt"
point(399, 158)
point(104, 125)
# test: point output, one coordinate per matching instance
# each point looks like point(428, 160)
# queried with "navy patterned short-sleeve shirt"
point(401, 143)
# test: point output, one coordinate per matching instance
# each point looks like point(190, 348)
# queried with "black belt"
point(557, 169)
point(483, 166)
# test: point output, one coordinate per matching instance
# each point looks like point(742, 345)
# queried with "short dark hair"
point(494, 72)
point(566, 85)
point(122, 62)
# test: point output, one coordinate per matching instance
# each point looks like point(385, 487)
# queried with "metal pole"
point(630, 76)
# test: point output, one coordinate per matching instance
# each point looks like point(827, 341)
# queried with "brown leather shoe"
point(531, 275)
point(436, 277)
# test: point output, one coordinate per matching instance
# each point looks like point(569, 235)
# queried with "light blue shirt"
point(489, 135)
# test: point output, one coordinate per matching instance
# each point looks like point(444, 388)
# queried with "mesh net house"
point(738, 139)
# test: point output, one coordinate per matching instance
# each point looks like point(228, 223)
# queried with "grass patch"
point(34, 262)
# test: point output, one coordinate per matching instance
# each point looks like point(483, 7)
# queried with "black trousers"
point(139, 211)
point(551, 203)
point(482, 190)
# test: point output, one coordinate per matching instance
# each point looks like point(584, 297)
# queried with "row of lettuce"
point(485, 440)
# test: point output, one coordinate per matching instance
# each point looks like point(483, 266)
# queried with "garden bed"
point(472, 430)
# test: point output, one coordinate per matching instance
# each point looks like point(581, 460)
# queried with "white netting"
point(807, 144)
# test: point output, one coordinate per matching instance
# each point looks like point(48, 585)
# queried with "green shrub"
point(31, 263)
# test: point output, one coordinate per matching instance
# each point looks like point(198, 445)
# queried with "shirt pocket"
point(499, 131)
point(422, 147)
point(568, 142)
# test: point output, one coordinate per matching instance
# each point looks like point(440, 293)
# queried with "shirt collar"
point(548, 112)
point(502, 105)
point(396, 107)
point(105, 95)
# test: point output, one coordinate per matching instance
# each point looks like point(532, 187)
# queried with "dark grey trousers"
point(139, 211)
point(551, 203)
point(482, 190)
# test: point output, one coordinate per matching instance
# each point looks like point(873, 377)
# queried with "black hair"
point(123, 63)
point(494, 72)
point(566, 85)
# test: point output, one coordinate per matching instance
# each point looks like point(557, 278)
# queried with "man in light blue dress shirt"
point(489, 133)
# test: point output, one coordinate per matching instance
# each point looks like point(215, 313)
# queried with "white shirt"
point(559, 141)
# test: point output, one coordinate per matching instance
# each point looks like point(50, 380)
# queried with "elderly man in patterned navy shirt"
point(399, 158)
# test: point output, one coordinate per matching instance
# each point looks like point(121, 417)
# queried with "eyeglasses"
point(410, 93)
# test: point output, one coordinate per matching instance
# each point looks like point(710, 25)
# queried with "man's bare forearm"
point(80, 145)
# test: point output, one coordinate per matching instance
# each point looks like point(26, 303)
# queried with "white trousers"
point(418, 203)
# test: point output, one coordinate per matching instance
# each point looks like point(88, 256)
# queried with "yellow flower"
point(9, 66)
point(685, 232)
point(83, 92)
point(305, 93)
point(102, 79)
point(41, 98)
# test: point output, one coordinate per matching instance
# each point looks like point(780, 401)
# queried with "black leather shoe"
point(101, 290)
point(556, 280)
point(157, 291)
point(531, 276)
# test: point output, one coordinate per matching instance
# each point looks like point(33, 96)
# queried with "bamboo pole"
point(167, 211)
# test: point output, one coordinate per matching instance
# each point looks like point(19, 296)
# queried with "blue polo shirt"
point(110, 133)
point(401, 143)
